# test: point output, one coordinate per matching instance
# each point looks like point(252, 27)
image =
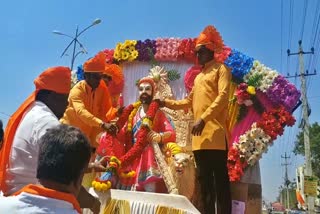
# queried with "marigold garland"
point(132, 114)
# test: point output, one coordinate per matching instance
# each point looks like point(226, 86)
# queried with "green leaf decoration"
point(173, 75)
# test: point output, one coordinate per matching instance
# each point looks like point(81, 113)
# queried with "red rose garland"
point(136, 150)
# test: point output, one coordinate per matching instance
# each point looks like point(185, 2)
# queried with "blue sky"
point(253, 27)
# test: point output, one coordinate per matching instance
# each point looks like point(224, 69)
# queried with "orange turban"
point(95, 64)
point(211, 38)
point(115, 72)
point(57, 79)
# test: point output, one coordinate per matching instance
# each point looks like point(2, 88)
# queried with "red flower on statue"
point(136, 150)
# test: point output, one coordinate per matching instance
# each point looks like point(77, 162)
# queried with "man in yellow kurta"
point(209, 101)
point(90, 104)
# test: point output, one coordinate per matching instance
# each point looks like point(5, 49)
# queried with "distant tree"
point(314, 134)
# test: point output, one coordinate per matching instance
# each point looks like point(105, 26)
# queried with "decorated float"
point(260, 107)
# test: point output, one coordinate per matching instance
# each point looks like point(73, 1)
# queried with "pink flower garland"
point(167, 49)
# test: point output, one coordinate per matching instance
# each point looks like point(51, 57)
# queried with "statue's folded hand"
point(154, 137)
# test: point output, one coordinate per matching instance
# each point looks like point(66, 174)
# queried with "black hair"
point(1, 131)
point(42, 95)
point(63, 155)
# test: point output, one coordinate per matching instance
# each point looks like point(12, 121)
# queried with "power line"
point(317, 27)
point(290, 23)
point(3, 113)
point(281, 36)
point(314, 31)
point(304, 17)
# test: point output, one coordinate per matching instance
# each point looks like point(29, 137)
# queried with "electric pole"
point(286, 178)
point(305, 115)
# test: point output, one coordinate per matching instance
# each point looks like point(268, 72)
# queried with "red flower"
point(274, 121)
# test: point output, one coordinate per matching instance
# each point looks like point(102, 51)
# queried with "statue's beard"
point(145, 98)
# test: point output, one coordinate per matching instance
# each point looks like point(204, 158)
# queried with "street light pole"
point(74, 48)
point(75, 41)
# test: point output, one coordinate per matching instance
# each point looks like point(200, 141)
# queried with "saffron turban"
point(57, 79)
point(115, 72)
point(96, 64)
point(211, 38)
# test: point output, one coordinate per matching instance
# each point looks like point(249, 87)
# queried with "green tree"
point(314, 134)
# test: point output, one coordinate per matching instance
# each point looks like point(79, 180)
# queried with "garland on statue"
point(115, 163)
point(136, 150)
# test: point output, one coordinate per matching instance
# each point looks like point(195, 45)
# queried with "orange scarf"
point(9, 134)
point(56, 79)
point(50, 193)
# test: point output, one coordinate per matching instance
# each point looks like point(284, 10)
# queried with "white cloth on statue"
point(252, 174)
point(26, 203)
point(23, 159)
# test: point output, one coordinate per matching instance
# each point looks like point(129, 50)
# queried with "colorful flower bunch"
point(244, 94)
point(167, 49)
point(250, 146)
point(146, 49)
point(239, 63)
point(126, 51)
point(258, 85)
point(282, 92)
point(266, 75)
point(186, 49)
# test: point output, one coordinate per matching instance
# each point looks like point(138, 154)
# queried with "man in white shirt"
point(64, 154)
point(24, 153)
point(41, 111)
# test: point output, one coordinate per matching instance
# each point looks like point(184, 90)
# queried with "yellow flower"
point(117, 55)
point(136, 104)
point(98, 186)
point(125, 55)
point(118, 47)
point(104, 187)
point(134, 54)
point(251, 90)
point(127, 43)
point(109, 184)
point(132, 49)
